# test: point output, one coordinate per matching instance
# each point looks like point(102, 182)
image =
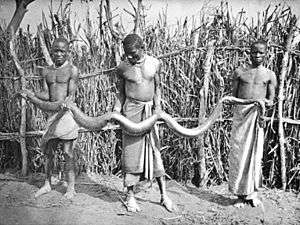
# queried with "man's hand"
point(117, 109)
point(268, 102)
point(158, 110)
point(68, 104)
point(27, 94)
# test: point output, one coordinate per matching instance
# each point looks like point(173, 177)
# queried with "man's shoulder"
point(267, 70)
point(152, 59)
point(73, 69)
point(153, 62)
point(268, 73)
point(124, 64)
point(241, 69)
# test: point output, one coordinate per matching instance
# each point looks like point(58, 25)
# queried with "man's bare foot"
point(63, 183)
point(43, 190)
point(70, 193)
point(131, 204)
point(256, 202)
point(168, 204)
point(240, 203)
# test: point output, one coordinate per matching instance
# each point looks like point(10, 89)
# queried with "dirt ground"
point(99, 201)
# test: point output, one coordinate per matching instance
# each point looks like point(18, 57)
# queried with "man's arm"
point(235, 84)
point(120, 91)
point(44, 94)
point(44, 105)
point(271, 89)
point(72, 87)
point(157, 89)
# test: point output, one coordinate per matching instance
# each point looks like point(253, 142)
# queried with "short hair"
point(133, 40)
point(260, 41)
point(61, 39)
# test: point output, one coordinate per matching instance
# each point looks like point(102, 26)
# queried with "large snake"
point(194, 132)
point(96, 123)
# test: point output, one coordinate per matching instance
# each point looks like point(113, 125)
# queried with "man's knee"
point(69, 146)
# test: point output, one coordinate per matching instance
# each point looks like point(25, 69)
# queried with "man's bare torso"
point(58, 81)
point(253, 82)
point(139, 78)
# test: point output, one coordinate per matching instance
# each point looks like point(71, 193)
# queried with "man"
point(258, 83)
point(139, 94)
point(60, 83)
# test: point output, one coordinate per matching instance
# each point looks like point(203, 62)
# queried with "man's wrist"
point(117, 109)
point(157, 106)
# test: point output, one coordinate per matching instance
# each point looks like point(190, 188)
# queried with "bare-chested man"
point(258, 83)
point(60, 83)
point(139, 95)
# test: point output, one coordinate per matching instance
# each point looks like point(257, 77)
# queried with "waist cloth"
point(247, 140)
point(141, 155)
point(60, 125)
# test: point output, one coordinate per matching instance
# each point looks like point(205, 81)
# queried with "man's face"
point(258, 53)
point(59, 53)
point(133, 54)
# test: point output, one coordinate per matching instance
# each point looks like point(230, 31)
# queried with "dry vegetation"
point(182, 81)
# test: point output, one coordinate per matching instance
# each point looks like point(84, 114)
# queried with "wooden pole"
point(283, 73)
point(21, 9)
point(22, 129)
point(200, 167)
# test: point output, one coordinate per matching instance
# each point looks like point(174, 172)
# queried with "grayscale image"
point(149, 112)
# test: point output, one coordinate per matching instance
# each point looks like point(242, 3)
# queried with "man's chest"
point(59, 76)
point(139, 73)
point(255, 77)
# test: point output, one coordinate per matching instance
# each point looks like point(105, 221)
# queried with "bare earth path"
point(98, 202)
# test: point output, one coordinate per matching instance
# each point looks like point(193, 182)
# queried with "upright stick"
point(282, 76)
point(22, 129)
point(200, 167)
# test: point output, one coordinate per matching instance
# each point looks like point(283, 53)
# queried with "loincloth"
point(60, 125)
point(247, 140)
point(141, 157)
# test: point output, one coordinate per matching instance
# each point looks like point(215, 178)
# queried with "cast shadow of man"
point(210, 196)
point(100, 187)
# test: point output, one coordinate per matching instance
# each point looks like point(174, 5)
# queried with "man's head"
point(258, 51)
point(133, 48)
point(59, 51)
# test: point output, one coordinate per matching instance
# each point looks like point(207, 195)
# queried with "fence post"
point(22, 130)
point(200, 177)
point(292, 40)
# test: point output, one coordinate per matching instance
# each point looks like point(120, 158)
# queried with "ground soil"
point(99, 201)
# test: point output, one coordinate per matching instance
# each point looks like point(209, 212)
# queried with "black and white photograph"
point(149, 112)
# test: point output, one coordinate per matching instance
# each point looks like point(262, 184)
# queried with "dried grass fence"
point(191, 87)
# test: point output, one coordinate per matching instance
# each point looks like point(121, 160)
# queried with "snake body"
point(96, 123)
point(194, 132)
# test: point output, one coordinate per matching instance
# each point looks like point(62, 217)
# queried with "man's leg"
point(129, 181)
point(69, 146)
point(49, 151)
point(254, 200)
point(132, 205)
point(165, 200)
